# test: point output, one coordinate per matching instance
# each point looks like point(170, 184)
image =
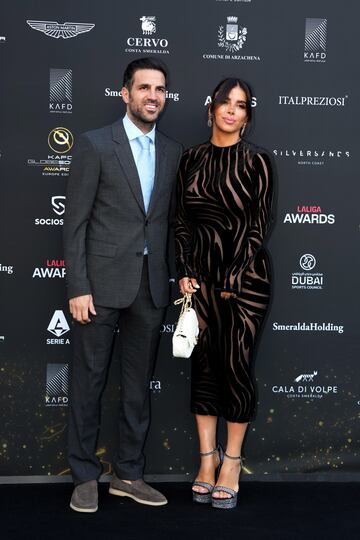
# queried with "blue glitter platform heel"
point(229, 502)
point(205, 498)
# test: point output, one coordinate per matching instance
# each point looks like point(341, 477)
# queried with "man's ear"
point(125, 94)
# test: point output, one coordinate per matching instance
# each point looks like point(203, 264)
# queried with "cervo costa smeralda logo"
point(57, 385)
point(307, 279)
point(57, 30)
point(311, 156)
point(309, 215)
point(60, 91)
point(58, 326)
point(309, 389)
point(148, 42)
point(232, 39)
point(60, 141)
point(58, 207)
point(315, 40)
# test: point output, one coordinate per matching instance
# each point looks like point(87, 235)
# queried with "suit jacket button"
point(139, 253)
point(146, 223)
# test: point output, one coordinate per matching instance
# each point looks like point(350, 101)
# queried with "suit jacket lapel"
point(127, 163)
point(160, 158)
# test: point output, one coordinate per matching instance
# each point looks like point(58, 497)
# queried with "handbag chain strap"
point(186, 302)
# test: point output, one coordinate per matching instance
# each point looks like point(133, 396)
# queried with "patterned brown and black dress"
point(223, 215)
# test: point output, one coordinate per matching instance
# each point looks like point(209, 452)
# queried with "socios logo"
point(307, 262)
point(60, 140)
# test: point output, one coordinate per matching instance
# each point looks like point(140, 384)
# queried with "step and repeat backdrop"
point(61, 74)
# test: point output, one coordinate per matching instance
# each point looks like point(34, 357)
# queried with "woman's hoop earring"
point(210, 122)
point(242, 130)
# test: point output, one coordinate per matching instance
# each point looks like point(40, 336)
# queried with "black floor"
point(286, 511)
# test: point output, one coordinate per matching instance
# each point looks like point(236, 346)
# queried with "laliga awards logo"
point(57, 384)
point(307, 279)
point(147, 43)
point(55, 268)
point(60, 91)
point(58, 326)
point(315, 40)
point(311, 215)
point(235, 36)
point(65, 30)
point(308, 390)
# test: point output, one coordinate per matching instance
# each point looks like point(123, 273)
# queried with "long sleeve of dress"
point(247, 245)
point(183, 228)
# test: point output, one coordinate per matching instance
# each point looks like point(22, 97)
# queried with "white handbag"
point(187, 329)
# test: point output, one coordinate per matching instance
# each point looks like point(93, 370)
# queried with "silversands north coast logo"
point(60, 91)
point(310, 388)
point(307, 279)
point(309, 215)
point(148, 42)
point(57, 384)
point(311, 156)
point(315, 40)
point(231, 39)
point(64, 30)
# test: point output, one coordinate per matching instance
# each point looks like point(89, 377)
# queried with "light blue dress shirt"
point(146, 176)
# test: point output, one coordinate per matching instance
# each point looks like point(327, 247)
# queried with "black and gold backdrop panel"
point(61, 74)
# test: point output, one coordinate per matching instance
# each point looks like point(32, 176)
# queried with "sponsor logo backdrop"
point(61, 75)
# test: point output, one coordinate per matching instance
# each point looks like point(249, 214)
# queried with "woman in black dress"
point(223, 216)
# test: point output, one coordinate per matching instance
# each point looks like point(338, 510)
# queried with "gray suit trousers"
point(139, 327)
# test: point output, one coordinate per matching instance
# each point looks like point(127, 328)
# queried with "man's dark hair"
point(143, 63)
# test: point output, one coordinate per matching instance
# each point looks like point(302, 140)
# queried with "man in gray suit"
point(119, 205)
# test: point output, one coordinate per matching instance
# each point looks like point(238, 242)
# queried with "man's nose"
point(152, 93)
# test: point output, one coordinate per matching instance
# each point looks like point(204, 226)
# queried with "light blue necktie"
point(146, 169)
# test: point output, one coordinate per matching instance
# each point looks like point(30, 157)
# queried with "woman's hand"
point(188, 285)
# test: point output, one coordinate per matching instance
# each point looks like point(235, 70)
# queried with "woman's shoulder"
point(256, 154)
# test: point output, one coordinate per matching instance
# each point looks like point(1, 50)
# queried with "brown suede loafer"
point(85, 497)
point(138, 490)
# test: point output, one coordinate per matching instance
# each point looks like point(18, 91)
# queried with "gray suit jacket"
point(105, 222)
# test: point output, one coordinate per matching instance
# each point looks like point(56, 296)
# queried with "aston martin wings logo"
point(66, 30)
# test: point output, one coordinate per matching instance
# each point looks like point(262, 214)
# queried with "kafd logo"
point(234, 37)
point(56, 30)
point(58, 326)
point(307, 279)
point(315, 40)
point(57, 385)
point(60, 91)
